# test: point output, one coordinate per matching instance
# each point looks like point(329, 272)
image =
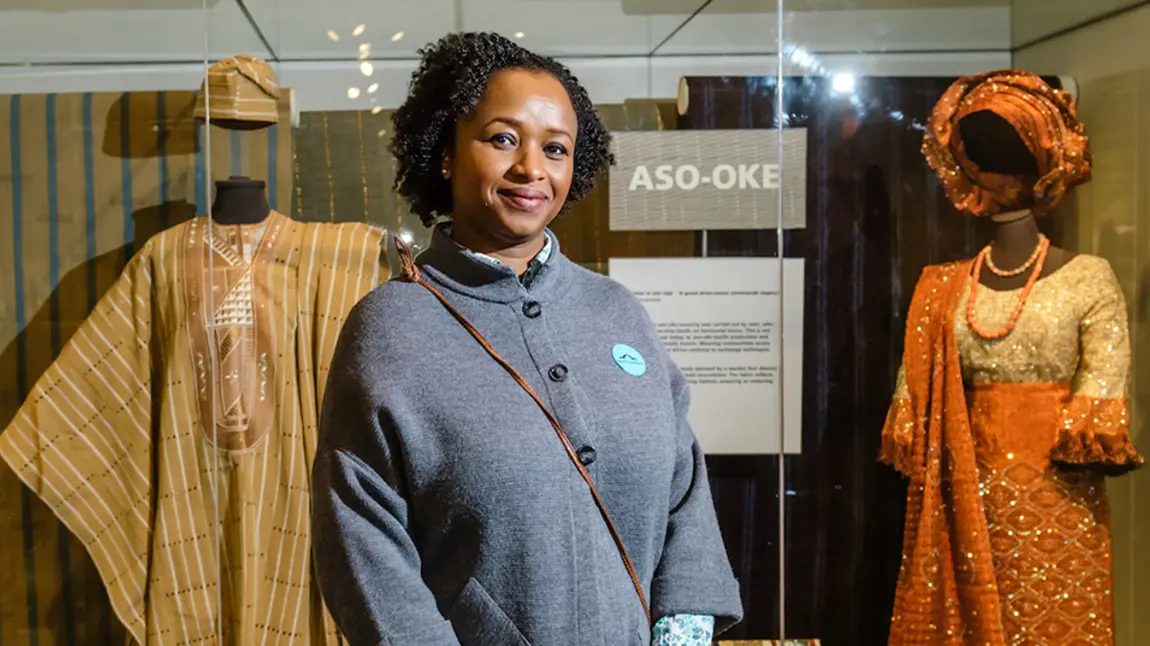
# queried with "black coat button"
point(532, 310)
point(558, 372)
point(586, 455)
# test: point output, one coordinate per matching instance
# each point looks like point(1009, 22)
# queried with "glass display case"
point(195, 195)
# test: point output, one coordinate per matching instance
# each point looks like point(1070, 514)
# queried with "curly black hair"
point(452, 75)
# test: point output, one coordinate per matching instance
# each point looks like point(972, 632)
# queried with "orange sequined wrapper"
point(1049, 527)
point(1046, 120)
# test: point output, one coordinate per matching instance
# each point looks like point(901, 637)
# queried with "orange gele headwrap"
point(1046, 120)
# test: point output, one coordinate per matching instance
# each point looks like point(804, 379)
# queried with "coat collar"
point(483, 277)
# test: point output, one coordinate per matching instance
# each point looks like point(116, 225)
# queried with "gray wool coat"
point(445, 509)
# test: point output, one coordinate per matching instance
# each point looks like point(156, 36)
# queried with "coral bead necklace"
point(1007, 273)
point(1039, 261)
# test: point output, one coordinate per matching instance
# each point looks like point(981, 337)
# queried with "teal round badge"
point(629, 360)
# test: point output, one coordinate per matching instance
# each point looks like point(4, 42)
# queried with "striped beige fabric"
point(240, 88)
point(114, 440)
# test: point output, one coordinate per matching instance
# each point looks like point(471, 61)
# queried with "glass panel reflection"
point(1098, 48)
point(891, 219)
point(792, 160)
point(98, 152)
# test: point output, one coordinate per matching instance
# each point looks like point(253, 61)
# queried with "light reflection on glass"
point(843, 83)
point(805, 59)
point(333, 36)
point(353, 93)
point(358, 31)
point(371, 89)
point(397, 37)
point(367, 68)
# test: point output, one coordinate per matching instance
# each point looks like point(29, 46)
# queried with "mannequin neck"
point(1015, 237)
point(240, 200)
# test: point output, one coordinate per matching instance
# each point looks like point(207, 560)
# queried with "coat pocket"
point(478, 620)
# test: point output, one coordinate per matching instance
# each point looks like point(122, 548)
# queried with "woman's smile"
point(528, 200)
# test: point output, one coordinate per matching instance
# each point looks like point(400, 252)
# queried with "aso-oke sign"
point(684, 180)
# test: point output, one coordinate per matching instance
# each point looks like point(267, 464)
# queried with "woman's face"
point(514, 157)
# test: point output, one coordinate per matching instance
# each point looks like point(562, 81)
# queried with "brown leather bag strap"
point(412, 274)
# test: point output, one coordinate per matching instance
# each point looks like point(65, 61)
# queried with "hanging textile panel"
point(85, 180)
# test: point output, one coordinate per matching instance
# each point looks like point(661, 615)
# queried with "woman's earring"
point(445, 173)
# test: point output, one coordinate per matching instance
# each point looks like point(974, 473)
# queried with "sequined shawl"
point(1046, 120)
point(947, 593)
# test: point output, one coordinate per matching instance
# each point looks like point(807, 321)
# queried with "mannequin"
point(239, 93)
point(173, 433)
point(1012, 402)
point(995, 146)
point(240, 200)
point(211, 355)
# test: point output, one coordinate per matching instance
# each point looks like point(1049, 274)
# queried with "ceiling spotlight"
point(367, 68)
point(381, 133)
point(358, 31)
point(364, 50)
point(372, 88)
point(333, 36)
point(843, 83)
point(520, 35)
point(398, 36)
point(353, 93)
point(376, 110)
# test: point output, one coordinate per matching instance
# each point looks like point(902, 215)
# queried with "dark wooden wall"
point(876, 215)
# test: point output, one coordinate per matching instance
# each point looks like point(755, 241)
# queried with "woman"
point(454, 503)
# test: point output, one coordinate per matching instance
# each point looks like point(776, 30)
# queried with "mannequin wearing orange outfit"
point(1011, 403)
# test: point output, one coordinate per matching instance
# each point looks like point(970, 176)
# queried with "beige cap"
point(242, 92)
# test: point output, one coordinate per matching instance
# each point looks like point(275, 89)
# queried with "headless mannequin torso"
point(1015, 237)
point(993, 144)
point(240, 200)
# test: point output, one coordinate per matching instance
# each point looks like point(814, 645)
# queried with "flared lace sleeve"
point(1096, 421)
point(898, 432)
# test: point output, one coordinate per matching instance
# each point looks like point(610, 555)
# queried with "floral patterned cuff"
point(683, 630)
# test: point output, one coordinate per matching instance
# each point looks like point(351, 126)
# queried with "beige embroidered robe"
point(174, 434)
